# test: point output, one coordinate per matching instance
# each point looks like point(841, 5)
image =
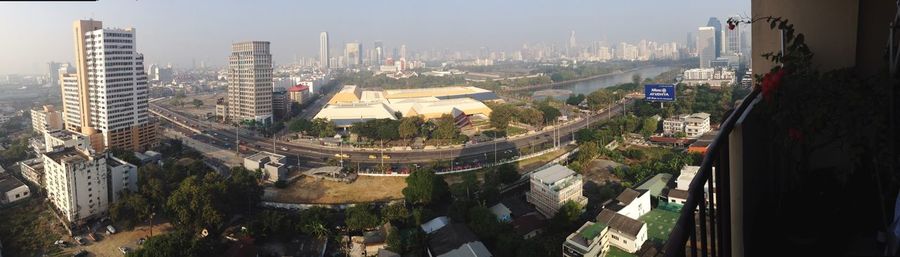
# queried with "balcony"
point(830, 196)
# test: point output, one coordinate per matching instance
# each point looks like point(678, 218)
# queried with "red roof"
point(298, 88)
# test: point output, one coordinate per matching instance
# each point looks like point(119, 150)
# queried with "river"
point(586, 87)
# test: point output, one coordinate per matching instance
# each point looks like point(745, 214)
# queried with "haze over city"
point(184, 32)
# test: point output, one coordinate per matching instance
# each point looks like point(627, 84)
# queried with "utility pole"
point(237, 143)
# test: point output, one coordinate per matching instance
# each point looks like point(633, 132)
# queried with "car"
point(141, 240)
point(79, 240)
point(124, 249)
point(110, 229)
point(372, 156)
point(284, 148)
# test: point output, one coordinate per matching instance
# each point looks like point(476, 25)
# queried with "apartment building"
point(693, 125)
point(552, 187)
point(46, 119)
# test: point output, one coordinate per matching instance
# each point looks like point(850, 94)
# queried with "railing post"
point(723, 198)
point(701, 216)
point(713, 228)
point(692, 230)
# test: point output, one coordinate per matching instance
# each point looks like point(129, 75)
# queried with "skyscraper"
point(353, 54)
point(715, 23)
point(106, 100)
point(379, 53)
point(706, 45)
point(250, 82)
point(734, 40)
point(324, 54)
point(403, 52)
point(571, 50)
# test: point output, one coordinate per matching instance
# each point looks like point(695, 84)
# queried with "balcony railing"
point(704, 227)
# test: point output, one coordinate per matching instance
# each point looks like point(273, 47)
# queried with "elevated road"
point(224, 136)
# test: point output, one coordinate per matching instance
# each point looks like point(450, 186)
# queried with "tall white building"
point(324, 54)
point(107, 98)
point(250, 82)
point(706, 45)
point(353, 54)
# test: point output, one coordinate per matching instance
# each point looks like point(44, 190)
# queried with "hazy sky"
point(180, 32)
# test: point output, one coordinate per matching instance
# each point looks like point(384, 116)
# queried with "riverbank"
point(573, 81)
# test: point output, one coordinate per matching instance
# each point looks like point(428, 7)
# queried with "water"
point(586, 87)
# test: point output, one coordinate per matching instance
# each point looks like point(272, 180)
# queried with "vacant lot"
point(108, 245)
point(364, 189)
point(186, 104)
point(29, 228)
point(598, 171)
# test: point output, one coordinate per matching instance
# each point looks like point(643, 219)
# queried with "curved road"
point(472, 153)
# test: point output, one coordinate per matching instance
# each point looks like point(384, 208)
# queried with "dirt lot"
point(364, 189)
point(109, 244)
point(209, 103)
point(28, 228)
point(598, 171)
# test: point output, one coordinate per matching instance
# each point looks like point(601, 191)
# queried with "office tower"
point(353, 54)
point(706, 45)
point(53, 73)
point(734, 40)
point(690, 43)
point(403, 52)
point(106, 100)
point(250, 82)
point(717, 25)
point(571, 50)
point(395, 53)
point(378, 58)
point(324, 54)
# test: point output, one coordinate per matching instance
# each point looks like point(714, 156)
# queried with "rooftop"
point(68, 154)
point(656, 184)
point(451, 238)
point(8, 182)
point(553, 174)
point(259, 156)
point(298, 88)
point(620, 222)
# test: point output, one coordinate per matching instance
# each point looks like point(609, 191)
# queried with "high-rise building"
point(53, 74)
point(324, 52)
point(378, 58)
point(717, 25)
point(46, 119)
point(250, 82)
point(572, 50)
point(106, 100)
point(734, 40)
point(706, 45)
point(403, 52)
point(353, 54)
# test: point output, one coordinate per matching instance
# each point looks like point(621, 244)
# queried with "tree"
point(575, 99)
point(269, 222)
point(600, 99)
point(243, 190)
point(423, 187)
point(197, 204)
point(395, 212)
point(297, 125)
point(680, 134)
point(409, 127)
point(131, 209)
point(483, 223)
point(361, 217)
point(531, 116)
point(314, 222)
point(567, 215)
point(501, 115)
point(445, 128)
point(649, 126)
point(550, 113)
point(636, 79)
point(177, 244)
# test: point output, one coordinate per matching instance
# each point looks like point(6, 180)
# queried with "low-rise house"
point(148, 157)
point(552, 187)
point(271, 164)
point(693, 125)
point(370, 243)
point(624, 232)
point(33, 171)
point(503, 214)
point(682, 184)
point(435, 224)
point(456, 240)
point(631, 203)
point(529, 225)
point(11, 189)
point(656, 185)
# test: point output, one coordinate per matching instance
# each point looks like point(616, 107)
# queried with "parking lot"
point(108, 245)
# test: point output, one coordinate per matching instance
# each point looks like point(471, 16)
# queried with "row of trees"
point(443, 128)
point(504, 113)
point(318, 127)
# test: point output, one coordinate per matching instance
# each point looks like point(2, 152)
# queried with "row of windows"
point(114, 34)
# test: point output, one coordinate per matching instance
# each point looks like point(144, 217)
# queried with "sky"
point(183, 32)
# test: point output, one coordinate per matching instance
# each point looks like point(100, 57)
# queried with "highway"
point(223, 136)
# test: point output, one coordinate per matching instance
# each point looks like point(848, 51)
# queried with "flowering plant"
point(808, 111)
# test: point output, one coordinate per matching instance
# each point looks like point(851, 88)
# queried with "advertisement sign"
point(659, 92)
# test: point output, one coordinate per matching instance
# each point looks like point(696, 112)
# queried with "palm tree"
point(317, 230)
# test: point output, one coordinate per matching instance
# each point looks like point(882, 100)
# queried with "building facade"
point(353, 55)
point(76, 181)
point(298, 94)
point(250, 82)
point(324, 52)
point(554, 186)
point(706, 45)
point(108, 98)
point(46, 119)
point(693, 126)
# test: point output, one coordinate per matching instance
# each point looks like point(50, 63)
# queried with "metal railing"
point(704, 227)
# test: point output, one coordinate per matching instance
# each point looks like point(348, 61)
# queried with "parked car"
point(124, 250)
point(110, 229)
point(79, 240)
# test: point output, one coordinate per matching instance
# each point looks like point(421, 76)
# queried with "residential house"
point(11, 189)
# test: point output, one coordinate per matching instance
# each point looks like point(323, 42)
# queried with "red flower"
point(731, 25)
point(770, 82)
point(795, 134)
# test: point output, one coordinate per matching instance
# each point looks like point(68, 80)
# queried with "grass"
point(512, 131)
point(616, 252)
point(28, 228)
point(650, 153)
point(659, 224)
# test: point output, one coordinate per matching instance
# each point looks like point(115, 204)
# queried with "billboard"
point(659, 92)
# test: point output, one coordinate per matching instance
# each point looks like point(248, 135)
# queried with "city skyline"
point(294, 35)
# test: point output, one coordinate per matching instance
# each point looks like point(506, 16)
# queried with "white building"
point(46, 119)
point(122, 176)
point(713, 77)
point(11, 189)
point(554, 186)
point(625, 233)
point(324, 52)
point(76, 181)
point(693, 126)
point(591, 240)
point(107, 100)
point(271, 164)
point(631, 203)
point(250, 82)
